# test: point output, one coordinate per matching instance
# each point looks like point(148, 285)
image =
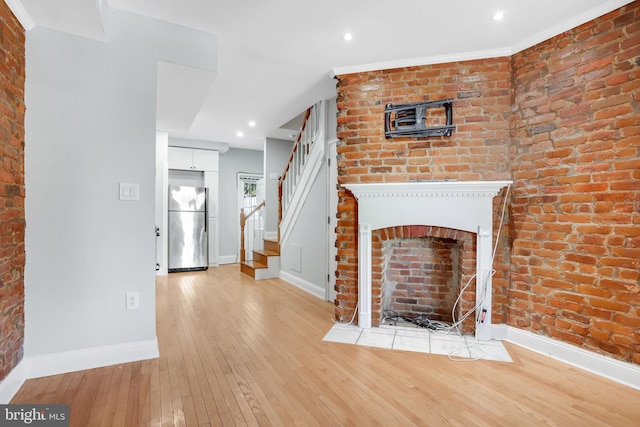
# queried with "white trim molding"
point(89, 358)
point(227, 259)
point(427, 60)
point(76, 360)
point(21, 14)
point(315, 290)
point(10, 385)
point(576, 21)
point(621, 372)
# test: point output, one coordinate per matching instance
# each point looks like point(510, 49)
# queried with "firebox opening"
point(424, 276)
point(421, 280)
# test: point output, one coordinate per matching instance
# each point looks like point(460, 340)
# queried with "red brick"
point(613, 327)
point(12, 215)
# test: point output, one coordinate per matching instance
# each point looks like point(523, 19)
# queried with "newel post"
point(243, 220)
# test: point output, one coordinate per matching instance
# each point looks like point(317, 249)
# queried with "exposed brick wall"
point(576, 207)
point(562, 119)
point(477, 149)
point(12, 190)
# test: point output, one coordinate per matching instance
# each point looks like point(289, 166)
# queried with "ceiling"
point(278, 57)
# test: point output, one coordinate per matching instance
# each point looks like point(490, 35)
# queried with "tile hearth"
point(418, 340)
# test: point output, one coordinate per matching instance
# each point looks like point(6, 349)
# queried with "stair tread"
point(254, 264)
point(266, 252)
point(271, 249)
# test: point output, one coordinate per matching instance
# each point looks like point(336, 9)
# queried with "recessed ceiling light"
point(239, 134)
point(498, 15)
point(347, 37)
point(252, 123)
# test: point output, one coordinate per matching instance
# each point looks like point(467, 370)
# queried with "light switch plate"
point(129, 191)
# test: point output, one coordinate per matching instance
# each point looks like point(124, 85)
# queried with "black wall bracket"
point(410, 120)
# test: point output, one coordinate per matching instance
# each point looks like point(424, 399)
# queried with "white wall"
point(304, 255)
point(231, 163)
point(90, 124)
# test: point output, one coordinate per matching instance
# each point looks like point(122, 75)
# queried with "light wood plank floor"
point(238, 352)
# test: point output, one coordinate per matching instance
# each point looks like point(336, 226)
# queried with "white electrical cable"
point(355, 311)
point(490, 272)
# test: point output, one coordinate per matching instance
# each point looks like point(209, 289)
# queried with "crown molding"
point(576, 21)
point(21, 14)
point(427, 60)
point(589, 15)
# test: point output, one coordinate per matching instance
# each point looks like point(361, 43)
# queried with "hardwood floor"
point(234, 351)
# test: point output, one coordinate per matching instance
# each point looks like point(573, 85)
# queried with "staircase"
point(304, 162)
point(265, 263)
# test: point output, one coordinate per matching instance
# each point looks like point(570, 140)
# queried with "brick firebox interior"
point(562, 120)
point(421, 271)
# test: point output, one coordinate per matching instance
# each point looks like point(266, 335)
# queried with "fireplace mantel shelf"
point(461, 205)
point(427, 189)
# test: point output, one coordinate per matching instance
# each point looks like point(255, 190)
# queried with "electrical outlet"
point(133, 300)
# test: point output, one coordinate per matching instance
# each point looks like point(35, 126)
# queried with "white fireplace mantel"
point(461, 205)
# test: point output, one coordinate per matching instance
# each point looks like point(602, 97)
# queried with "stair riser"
point(270, 245)
point(262, 259)
point(245, 269)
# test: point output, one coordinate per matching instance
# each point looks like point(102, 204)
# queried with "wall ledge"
point(621, 372)
point(72, 361)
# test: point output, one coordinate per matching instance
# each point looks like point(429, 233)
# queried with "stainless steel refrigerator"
point(188, 242)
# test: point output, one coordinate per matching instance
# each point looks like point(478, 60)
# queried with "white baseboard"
point(607, 367)
point(227, 259)
point(77, 360)
point(10, 385)
point(302, 284)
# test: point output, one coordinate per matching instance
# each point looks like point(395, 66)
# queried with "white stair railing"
point(308, 135)
point(251, 232)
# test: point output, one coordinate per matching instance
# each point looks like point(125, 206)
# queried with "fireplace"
point(456, 205)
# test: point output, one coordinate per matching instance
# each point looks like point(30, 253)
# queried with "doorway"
point(250, 193)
